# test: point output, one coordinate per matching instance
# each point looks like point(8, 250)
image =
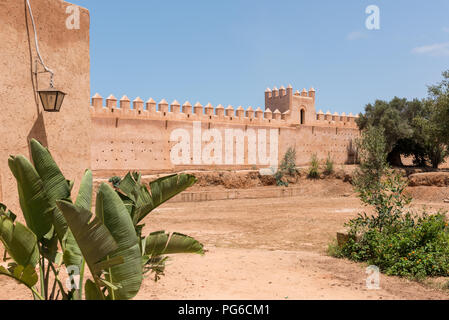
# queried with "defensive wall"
point(136, 135)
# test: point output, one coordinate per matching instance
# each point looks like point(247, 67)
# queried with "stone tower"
point(298, 106)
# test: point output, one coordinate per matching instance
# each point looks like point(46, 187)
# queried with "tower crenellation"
point(299, 107)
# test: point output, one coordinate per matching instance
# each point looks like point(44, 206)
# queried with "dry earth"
point(270, 249)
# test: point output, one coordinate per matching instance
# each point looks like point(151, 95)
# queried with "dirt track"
point(267, 249)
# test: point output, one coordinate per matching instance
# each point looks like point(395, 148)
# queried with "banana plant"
point(58, 234)
point(141, 201)
point(61, 234)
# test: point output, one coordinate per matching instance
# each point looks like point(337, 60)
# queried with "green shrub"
point(115, 181)
point(287, 167)
point(314, 168)
point(288, 164)
point(329, 169)
point(413, 246)
point(394, 239)
point(372, 156)
point(279, 175)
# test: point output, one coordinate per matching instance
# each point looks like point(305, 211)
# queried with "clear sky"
point(229, 52)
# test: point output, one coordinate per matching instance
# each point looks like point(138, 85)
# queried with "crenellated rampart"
point(138, 135)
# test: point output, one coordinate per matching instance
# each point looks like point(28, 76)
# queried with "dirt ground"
point(270, 249)
point(273, 249)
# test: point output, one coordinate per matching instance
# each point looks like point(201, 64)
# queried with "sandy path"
point(264, 274)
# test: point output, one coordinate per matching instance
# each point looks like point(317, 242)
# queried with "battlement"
point(282, 92)
point(335, 119)
point(278, 115)
point(175, 111)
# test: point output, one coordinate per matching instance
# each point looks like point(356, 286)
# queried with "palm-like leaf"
point(93, 238)
point(128, 275)
point(72, 252)
point(92, 291)
point(161, 190)
point(33, 199)
point(19, 241)
point(55, 184)
point(162, 243)
point(24, 275)
point(84, 199)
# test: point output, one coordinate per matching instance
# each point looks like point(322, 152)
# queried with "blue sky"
point(229, 52)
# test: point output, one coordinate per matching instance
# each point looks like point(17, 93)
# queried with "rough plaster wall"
point(309, 140)
point(120, 145)
point(127, 144)
point(66, 133)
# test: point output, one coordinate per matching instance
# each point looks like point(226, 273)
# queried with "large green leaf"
point(24, 275)
point(161, 190)
point(55, 184)
point(161, 243)
point(165, 188)
point(128, 275)
point(34, 201)
point(84, 198)
point(72, 253)
point(92, 237)
point(19, 241)
point(92, 291)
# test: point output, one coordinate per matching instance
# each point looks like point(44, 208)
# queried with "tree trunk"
point(435, 161)
point(394, 158)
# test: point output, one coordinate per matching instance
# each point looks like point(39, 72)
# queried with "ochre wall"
point(66, 52)
point(136, 138)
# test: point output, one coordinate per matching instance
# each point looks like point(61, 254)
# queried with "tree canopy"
point(417, 128)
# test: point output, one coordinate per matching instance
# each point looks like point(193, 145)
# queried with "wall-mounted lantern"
point(51, 98)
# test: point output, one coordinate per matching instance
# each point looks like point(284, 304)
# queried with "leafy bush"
point(394, 239)
point(372, 157)
point(287, 167)
point(413, 245)
point(329, 169)
point(314, 168)
point(279, 177)
point(288, 164)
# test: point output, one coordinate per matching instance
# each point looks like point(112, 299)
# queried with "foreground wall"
point(66, 51)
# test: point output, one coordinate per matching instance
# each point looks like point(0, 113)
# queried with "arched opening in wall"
point(302, 116)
